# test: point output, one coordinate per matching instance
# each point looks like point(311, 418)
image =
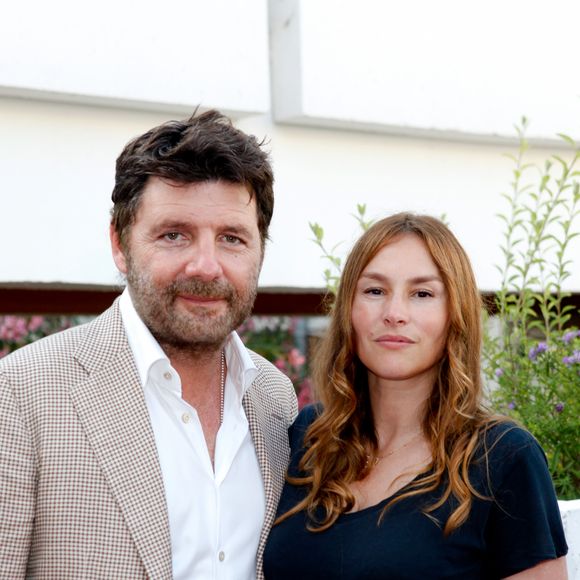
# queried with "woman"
point(401, 472)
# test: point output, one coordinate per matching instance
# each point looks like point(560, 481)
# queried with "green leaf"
point(561, 161)
point(568, 139)
point(316, 230)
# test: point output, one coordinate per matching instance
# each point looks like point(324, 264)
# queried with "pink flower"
point(13, 328)
point(280, 364)
point(296, 358)
point(305, 396)
point(35, 323)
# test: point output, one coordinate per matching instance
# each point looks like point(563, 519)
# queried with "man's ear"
point(117, 250)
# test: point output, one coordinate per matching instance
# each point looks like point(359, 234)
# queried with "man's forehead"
point(166, 193)
point(193, 205)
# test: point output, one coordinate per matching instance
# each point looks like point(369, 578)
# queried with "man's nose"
point(203, 262)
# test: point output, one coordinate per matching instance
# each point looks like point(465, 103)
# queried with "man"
point(150, 443)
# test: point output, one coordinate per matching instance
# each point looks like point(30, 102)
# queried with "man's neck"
point(202, 388)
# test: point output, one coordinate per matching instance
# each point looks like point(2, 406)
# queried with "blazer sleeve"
point(17, 486)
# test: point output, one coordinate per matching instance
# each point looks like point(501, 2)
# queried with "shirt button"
point(222, 556)
point(167, 375)
point(185, 417)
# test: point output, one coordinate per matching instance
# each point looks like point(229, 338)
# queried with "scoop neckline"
point(381, 504)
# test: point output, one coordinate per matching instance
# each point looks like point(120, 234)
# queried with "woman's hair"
point(339, 440)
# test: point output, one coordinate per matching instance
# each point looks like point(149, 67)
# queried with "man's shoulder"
point(56, 349)
point(268, 370)
point(46, 348)
point(272, 388)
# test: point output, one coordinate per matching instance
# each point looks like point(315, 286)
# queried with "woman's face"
point(400, 313)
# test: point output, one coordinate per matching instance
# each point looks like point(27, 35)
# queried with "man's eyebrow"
point(176, 224)
point(171, 224)
point(237, 229)
point(415, 280)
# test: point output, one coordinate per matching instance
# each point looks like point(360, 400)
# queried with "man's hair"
point(339, 439)
point(205, 147)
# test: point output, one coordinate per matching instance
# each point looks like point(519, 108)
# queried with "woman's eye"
point(423, 294)
point(373, 291)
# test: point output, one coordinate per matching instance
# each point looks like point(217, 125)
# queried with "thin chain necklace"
point(374, 460)
point(222, 385)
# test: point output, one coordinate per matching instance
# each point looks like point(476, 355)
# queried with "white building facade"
point(401, 107)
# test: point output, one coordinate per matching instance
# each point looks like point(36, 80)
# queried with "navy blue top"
point(517, 529)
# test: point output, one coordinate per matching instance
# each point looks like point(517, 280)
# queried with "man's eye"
point(172, 236)
point(230, 239)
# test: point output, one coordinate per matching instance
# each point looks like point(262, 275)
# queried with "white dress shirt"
point(215, 516)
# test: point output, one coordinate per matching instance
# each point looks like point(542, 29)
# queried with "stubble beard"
point(193, 329)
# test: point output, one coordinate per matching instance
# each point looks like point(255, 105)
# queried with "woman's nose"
point(396, 311)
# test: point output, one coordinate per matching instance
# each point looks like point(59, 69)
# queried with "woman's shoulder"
point(305, 418)
point(307, 414)
point(509, 452)
point(501, 438)
point(296, 435)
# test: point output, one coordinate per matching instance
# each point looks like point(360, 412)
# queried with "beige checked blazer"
point(81, 492)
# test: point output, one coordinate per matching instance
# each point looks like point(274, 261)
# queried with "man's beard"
point(193, 328)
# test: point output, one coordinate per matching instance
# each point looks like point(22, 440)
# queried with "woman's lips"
point(394, 341)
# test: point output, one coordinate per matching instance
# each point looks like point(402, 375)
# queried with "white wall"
point(453, 68)
point(57, 171)
point(168, 56)
point(396, 105)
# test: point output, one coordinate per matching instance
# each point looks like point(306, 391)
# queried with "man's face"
point(192, 260)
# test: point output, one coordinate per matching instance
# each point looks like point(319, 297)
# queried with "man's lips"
point(201, 299)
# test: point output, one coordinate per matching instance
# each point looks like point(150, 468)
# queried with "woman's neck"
point(398, 408)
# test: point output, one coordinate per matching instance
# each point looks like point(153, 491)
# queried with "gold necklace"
point(374, 460)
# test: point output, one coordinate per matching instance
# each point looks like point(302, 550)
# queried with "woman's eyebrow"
point(415, 280)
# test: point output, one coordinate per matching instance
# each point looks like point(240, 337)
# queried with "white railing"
point(570, 511)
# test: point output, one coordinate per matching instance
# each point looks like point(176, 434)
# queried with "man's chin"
point(204, 312)
point(192, 340)
point(198, 330)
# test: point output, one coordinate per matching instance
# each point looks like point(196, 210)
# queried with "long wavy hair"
point(340, 438)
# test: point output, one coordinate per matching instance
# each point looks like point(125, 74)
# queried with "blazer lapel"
point(112, 409)
point(269, 435)
point(255, 424)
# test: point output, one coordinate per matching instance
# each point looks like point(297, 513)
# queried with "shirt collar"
point(146, 350)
